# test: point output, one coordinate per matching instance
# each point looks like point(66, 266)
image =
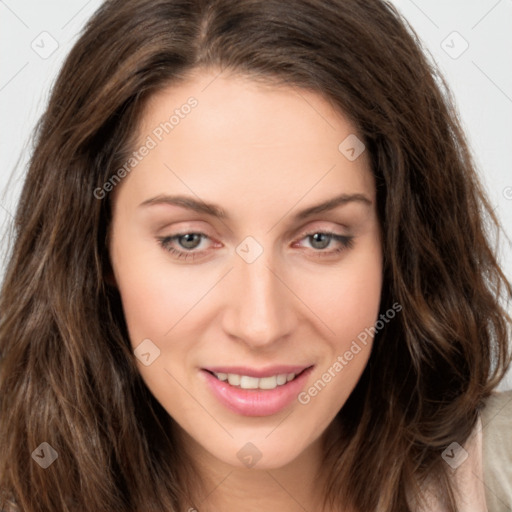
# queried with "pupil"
point(320, 240)
point(190, 241)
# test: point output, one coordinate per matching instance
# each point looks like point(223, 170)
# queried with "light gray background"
point(35, 36)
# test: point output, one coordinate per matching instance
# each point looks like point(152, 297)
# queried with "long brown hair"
point(68, 375)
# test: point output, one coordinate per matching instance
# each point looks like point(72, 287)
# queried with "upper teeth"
point(246, 382)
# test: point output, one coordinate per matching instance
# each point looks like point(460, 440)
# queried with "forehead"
point(216, 135)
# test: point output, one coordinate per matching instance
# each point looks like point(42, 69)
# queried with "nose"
point(259, 309)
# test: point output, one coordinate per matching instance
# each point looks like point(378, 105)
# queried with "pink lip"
point(257, 402)
point(257, 372)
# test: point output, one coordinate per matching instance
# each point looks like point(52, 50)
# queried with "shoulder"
point(496, 419)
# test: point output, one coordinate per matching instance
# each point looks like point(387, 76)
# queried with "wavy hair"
point(68, 375)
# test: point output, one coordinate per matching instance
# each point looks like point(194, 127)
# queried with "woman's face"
point(245, 243)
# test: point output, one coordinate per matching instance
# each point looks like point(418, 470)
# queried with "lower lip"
point(256, 402)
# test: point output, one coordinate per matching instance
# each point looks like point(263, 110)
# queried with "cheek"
point(349, 307)
point(347, 298)
point(155, 294)
point(157, 299)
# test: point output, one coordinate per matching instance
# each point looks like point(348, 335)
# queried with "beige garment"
point(497, 451)
point(484, 479)
point(482, 467)
point(467, 478)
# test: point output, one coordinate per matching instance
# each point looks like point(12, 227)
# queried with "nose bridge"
point(259, 308)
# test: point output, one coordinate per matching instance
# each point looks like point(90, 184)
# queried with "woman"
point(250, 271)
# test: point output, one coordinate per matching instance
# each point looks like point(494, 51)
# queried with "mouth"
point(269, 382)
point(250, 392)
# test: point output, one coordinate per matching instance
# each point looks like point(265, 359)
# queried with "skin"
point(261, 153)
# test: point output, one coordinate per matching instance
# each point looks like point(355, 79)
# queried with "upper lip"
point(269, 371)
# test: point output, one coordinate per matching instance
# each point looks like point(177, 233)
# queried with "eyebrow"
point(330, 204)
point(188, 203)
point(213, 210)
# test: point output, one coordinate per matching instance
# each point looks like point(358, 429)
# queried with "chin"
point(264, 454)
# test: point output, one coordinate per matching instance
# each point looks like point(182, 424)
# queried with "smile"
point(247, 382)
point(256, 393)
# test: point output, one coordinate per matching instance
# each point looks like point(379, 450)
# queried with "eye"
point(320, 240)
point(191, 246)
point(184, 245)
point(327, 243)
point(189, 240)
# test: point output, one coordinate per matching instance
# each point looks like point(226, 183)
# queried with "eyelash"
point(347, 242)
